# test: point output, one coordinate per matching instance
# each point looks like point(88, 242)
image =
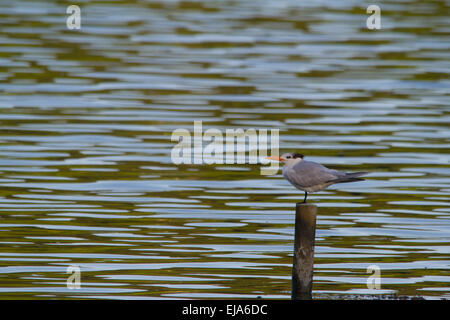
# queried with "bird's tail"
point(350, 177)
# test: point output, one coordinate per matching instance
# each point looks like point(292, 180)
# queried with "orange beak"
point(275, 158)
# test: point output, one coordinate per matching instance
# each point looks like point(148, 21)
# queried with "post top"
point(303, 204)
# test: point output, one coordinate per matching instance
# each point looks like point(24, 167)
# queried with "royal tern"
point(311, 176)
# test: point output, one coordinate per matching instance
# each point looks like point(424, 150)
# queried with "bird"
point(310, 176)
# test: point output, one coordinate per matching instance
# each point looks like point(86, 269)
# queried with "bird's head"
point(288, 158)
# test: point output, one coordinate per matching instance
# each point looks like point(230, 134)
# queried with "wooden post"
point(302, 270)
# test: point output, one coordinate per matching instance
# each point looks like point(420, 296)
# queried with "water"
point(85, 125)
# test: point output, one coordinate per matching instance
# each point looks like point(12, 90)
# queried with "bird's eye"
point(288, 157)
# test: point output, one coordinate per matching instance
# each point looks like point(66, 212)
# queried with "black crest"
point(298, 155)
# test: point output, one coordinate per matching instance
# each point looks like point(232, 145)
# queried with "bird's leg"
point(306, 194)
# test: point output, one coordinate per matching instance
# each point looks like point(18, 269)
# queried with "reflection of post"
point(302, 270)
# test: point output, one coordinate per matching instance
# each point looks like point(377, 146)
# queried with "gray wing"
point(308, 174)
